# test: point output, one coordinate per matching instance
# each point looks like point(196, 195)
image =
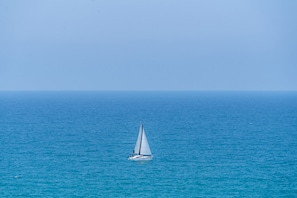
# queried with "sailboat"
point(142, 149)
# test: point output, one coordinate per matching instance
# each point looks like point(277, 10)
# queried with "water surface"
point(205, 144)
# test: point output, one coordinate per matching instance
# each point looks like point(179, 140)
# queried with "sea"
point(205, 144)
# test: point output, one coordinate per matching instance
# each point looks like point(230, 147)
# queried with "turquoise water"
point(205, 144)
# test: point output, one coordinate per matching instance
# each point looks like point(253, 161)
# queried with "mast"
point(141, 138)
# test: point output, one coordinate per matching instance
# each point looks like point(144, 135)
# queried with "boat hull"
point(140, 157)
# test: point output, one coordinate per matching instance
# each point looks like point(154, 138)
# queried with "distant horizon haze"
point(148, 45)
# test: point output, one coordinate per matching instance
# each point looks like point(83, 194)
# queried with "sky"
point(148, 45)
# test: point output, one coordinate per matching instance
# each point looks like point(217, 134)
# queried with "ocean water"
point(205, 144)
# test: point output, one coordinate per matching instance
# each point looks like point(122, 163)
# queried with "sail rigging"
point(142, 149)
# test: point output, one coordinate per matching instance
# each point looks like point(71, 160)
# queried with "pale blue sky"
point(148, 45)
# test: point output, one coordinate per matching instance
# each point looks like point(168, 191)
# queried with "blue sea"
point(205, 144)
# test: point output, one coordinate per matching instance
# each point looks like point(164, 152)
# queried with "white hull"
point(140, 157)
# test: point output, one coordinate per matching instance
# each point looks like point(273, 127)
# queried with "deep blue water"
point(205, 144)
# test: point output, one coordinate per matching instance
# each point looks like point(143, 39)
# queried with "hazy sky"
point(148, 45)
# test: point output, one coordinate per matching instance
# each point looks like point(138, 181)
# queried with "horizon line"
point(152, 90)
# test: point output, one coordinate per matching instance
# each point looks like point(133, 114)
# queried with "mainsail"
point(142, 147)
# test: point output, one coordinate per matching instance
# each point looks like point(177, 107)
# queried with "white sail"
point(142, 149)
point(138, 142)
point(145, 148)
